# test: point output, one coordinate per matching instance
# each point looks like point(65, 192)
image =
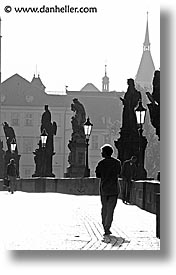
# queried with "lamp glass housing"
point(13, 145)
point(44, 137)
point(88, 128)
point(140, 113)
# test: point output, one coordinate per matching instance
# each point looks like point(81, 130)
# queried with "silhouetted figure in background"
point(108, 170)
point(12, 175)
point(129, 172)
point(130, 101)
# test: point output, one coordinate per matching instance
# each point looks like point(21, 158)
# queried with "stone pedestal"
point(43, 162)
point(76, 159)
point(128, 146)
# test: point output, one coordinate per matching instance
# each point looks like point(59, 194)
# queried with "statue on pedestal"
point(154, 106)
point(43, 156)
point(128, 143)
point(10, 136)
point(51, 129)
point(78, 119)
point(130, 101)
point(77, 144)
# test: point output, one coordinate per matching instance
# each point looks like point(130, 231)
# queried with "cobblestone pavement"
point(52, 221)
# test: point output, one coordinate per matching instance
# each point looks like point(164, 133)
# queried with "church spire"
point(0, 50)
point(144, 76)
point(105, 69)
point(105, 82)
point(146, 45)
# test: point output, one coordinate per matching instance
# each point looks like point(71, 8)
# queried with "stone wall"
point(143, 193)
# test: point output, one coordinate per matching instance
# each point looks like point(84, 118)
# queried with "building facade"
point(22, 105)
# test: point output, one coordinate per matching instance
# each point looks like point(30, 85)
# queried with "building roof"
point(36, 81)
point(89, 87)
point(17, 91)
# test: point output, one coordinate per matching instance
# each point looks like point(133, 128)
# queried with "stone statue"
point(10, 135)
point(51, 129)
point(78, 119)
point(154, 106)
point(77, 144)
point(130, 102)
point(43, 156)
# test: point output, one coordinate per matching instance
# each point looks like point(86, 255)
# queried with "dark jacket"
point(129, 170)
point(11, 170)
point(108, 171)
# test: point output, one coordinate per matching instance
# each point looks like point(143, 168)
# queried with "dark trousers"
point(127, 190)
point(107, 211)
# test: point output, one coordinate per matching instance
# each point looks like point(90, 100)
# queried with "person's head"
point(12, 161)
point(133, 159)
point(46, 107)
point(75, 100)
point(130, 81)
point(106, 150)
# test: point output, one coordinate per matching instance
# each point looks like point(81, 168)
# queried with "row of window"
point(29, 144)
point(28, 119)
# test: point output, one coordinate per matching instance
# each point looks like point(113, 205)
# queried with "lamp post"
point(43, 138)
point(87, 130)
point(140, 112)
point(13, 146)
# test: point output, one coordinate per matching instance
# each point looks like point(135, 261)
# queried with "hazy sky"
point(72, 49)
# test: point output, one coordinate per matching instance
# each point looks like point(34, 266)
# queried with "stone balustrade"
point(144, 193)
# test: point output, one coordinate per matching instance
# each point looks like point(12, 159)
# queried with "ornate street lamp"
point(87, 130)
point(140, 112)
point(13, 146)
point(44, 137)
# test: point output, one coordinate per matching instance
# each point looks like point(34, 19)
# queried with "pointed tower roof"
point(105, 76)
point(146, 68)
point(89, 87)
point(36, 81)
point(0, 50)
point(147, 41)
point(105, 82)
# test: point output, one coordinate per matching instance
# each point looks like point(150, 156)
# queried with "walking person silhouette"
point(12, 175)
point(108, 170)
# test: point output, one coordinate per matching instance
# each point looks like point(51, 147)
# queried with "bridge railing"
point(144, 193)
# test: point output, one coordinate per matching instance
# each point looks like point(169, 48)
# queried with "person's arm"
point(16, 172)
point(134, 172)
point(123, 171)
point(97, 171)
point(119, 169)
point(7, 170)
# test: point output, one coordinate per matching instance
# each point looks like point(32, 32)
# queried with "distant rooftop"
point(89, 87)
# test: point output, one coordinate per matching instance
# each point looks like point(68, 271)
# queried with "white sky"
point(72, 49)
